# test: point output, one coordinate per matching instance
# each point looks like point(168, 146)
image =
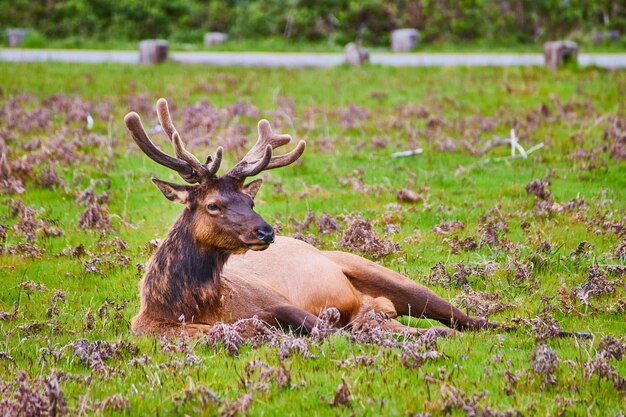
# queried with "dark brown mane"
point(182, 270)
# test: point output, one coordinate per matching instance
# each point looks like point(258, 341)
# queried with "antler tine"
point(165, 119)
point(260, 157)
point(134, 125)
point(213, 164)
point(288, 158)
point(266, 135)
point(185, 155)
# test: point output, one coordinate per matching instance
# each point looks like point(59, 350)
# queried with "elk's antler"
point(185, 163)
point(260, 158)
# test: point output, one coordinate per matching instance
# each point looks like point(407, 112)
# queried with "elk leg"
point(408, 297)
point(287, 316)
point(385, 306)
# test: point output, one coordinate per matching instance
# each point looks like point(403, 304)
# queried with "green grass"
point(281, 44)
point(461, 103)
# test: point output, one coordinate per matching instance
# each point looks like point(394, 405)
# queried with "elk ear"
point(173, 192)
point(252, 187)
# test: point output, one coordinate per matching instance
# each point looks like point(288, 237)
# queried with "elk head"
point(220, 210)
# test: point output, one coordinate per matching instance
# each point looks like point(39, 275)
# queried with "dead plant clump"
point(326, 324)
point(597, 284)
point(28, 227)
point(239, 406)
point(492, 233)
point(94, 354)
point(468, 244)
point(522, 272)
point(455, 399)
point(342, 396)
point(307, 222)
point(50, 179)
point(324, 144)
point(609, 348)
point(116, 402)
point(438, 274)
point(482, 304)
point(545, 206)
point(540, 189)
point(3, 237)
point(233, 336)
point(353, 117)
point(309, 238)
point(57, 298)
point(32, 286)
point(369, 330)
point(184, 346)
point(27, 222)
point(544, 326)
point(290, 345)
point(199, 395)
point(544, 362)
point(619, 251)
point(405, 195)
point(414, 350)
point(89, 196)
point(356, 180)
point(96, 217)
point(328, 224)
point(27, 250)
point(360, 236)
point(448, 227)
point(265, 375)
point(615, 134)
point(201, 116)
point(39, 397)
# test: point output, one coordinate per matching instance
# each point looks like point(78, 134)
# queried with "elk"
point(221, 261)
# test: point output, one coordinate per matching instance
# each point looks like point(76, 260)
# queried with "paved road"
point(301, 60)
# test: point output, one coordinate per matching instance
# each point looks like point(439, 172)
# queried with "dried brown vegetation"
point(360, 236)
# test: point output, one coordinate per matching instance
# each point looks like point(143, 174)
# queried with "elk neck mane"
point(182, 268)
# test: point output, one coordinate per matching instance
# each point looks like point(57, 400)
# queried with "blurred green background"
point(315, 25)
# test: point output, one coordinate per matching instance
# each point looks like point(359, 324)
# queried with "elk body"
point(221, 262)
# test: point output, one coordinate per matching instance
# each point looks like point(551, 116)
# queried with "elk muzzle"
point(260, 237)
point(265, 233)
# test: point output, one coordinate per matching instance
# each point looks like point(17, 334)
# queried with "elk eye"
point(213, 207)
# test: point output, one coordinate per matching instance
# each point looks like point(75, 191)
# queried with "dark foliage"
point(371, 21)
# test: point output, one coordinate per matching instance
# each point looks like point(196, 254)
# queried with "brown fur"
point(289, 284)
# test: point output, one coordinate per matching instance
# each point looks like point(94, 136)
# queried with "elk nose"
point(265, 233)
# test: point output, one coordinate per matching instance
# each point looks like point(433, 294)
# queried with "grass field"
point(281, 44)
point(78, 213)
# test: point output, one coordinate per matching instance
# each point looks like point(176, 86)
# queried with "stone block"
point(355, 55)
point(404, 40)
point(16, 36)
point(600, 37)
point(557, 52)
point(214, 38)
point(152, 51)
